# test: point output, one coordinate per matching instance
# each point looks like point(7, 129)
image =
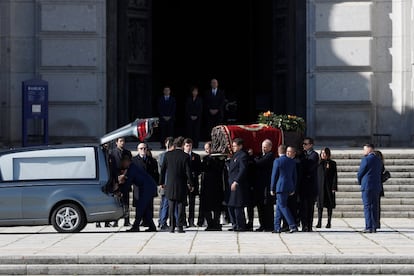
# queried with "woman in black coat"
point(327, 185)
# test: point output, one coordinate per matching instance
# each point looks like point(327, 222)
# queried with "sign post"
point(35, 112)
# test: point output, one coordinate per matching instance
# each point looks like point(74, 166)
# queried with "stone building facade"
point(62, 42)
point(358, 73)
point(360, 58)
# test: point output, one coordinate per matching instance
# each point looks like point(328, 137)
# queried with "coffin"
point(253, 136)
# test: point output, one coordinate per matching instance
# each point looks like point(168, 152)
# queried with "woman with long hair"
point(327, 184)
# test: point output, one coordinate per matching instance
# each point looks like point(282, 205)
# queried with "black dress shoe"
point(172, 229)
point(180, 229)
point(151, 230)
point(260, 229)
point(115, 224)
point(164, 228)
point(98, 225)
point(319, 225)
point(107, 224)
point(133, 229)
point(328, 225)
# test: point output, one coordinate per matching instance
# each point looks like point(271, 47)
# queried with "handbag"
point(385, 175)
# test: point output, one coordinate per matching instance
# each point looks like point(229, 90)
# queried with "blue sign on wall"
point(35, 108)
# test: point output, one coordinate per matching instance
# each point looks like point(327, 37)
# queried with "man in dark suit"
point(309, 185)
point(116, 167)
point(166, 110)
point(214, 104)
point(238, 184)
point(283, 184)
point(195, 167)
point(369, 177)
point(177, 165)
point(145, 186)
point(263, 173)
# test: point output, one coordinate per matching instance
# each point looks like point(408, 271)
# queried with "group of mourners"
point(284, 187)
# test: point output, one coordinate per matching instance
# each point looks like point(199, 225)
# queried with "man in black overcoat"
point(179, 181)
point(263, 199)
point(308, 190)
point(237, 176)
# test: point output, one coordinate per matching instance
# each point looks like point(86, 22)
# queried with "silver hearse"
point(65, 185)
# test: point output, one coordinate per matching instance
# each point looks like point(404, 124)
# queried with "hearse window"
point(67, 163)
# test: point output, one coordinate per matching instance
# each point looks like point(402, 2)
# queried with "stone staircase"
point(399, 189)
point(207, 265)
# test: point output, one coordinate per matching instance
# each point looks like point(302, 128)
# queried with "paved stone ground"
point(345, 239)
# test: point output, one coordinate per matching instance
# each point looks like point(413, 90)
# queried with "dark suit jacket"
point(167, 108)
point(237, 172)
point(263, 174)
point(369, 174)
point(177, 165)
point(283, 175)
point(195, 167)
point(194, 107)
point(150, 165)
point(215, 102)
point(145, 185)
point(309, 183)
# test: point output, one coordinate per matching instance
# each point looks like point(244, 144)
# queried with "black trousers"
point(191, 207)
point(213, 219)
point(307, 208)
point(180, 207)
point(266, 214)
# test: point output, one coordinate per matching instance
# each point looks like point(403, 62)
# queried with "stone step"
point(337, 155)
point(384, 201)
point(388, 162)
point(352, 174)
point(357, 194)
point(384, 208)
point(393, 181)
point(208, 265)
point(387, 188)
point(360, 214)
point(408, 168)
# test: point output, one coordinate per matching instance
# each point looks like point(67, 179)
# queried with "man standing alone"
point(369, 177)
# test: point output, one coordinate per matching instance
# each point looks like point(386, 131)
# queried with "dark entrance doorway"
point(195, 41)
point(256, 50)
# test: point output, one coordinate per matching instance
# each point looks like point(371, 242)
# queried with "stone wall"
point(358, 78)
point(62, 42)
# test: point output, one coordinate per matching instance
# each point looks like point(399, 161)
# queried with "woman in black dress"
point(327, 184)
